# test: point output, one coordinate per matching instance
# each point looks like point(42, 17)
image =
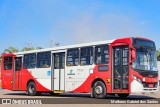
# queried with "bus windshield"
point(145, 60)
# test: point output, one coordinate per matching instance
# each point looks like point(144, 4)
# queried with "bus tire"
point(123, 95)
point(31, 89)
point(99, 90)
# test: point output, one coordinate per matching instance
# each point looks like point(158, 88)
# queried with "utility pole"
point(51, 41)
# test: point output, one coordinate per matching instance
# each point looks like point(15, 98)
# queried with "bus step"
point(58, 91)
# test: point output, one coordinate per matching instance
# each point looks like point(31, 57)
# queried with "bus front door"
point(120, 69)
point(17, 73)
point(58, 74)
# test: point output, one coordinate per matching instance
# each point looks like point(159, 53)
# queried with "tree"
point(8, 50)
point(158, 58)
point(158, 55)
point(11, 50)
point(27, 48)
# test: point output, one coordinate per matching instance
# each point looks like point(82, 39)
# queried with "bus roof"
point(66, 47)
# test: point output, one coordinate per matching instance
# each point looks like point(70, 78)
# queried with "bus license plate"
point(150, 86)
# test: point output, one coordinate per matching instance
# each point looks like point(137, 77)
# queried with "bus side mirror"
point(133, 55)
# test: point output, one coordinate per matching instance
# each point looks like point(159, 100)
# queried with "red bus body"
point(75, 82)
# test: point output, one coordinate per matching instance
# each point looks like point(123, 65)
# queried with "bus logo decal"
point(49, 73)
point(71, 72)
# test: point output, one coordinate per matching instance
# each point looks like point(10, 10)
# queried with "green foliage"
point(27, 48)
point(158, 58)
point(11, 50)
point(8, 50)
point(158, 55)
point(30, 48)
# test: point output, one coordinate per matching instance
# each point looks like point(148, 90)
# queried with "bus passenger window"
point(29, 61)
point(7, 63)
point(59, 60)
point(44, 60)
point(73, 57)
point(102, 54)
point(86, 57)
point(56, 61)
point(18, 64)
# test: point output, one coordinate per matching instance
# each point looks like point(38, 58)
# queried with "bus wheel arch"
point(98, 88)
point(31, 88)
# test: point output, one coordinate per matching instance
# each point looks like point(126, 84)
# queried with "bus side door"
point(121, 69)
point(7, 72)
point(17, 73)
point(59, 71)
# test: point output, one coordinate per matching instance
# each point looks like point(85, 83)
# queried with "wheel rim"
point(98, 90)
point(31, 89)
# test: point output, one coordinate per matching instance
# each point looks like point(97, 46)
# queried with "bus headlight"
point(137, 79)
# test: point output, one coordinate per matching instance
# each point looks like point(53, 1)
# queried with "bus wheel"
point(123, 95)
point(31, 89)
point(99, 90)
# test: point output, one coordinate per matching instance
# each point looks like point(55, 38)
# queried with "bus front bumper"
point(137, 87)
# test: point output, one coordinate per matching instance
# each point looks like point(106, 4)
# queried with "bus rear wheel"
point(99, 90)
point(123, 95)
point(31, 89)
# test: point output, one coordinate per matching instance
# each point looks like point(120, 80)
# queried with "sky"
point(37, 22)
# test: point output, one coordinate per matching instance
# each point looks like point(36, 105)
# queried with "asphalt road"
point(21, 94)
point(71, 98)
